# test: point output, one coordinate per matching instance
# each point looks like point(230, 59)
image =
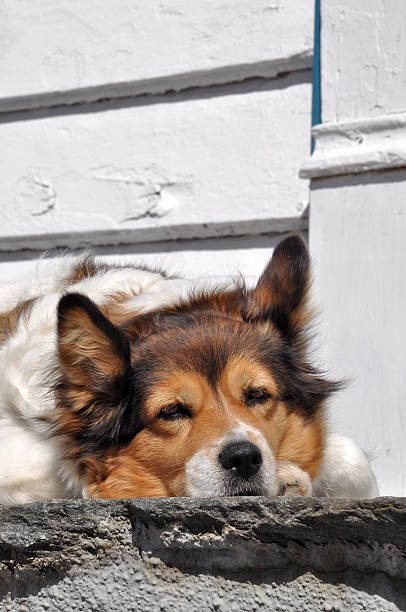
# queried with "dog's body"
point(156, 392)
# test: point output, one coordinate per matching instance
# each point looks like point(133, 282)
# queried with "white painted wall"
point(181, 167)
point(357, 239)
point(358, 225)
point(363, 58)
point(97, 147)
point(214, 261)
point(69, 50)
point(153, 122)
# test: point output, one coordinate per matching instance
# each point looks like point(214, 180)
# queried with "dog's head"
point(198, 399)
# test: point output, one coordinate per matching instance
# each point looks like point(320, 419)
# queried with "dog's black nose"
point(243, 458)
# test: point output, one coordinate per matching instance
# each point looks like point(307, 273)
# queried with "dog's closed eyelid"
point(174, 412)
point(252, 396)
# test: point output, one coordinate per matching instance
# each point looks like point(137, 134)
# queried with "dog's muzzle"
point(242, 463)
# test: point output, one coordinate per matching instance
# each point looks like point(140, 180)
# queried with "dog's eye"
point(255, 396)
point(175, 411)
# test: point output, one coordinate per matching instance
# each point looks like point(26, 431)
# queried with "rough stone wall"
point(217, 554)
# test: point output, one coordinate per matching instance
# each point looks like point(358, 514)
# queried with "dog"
point(122, 382)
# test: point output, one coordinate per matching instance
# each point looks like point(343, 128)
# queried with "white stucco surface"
point(360, 145)
point(363, 58)
point(357, 239)
point(73, 51)
point(358, 225)
point(208, 261)
point(179, 167)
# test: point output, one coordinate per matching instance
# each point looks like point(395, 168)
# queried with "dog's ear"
point(94, 389)
point(281, 294)
point(91, 348)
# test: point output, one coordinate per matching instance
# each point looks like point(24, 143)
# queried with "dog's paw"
point(292, 480)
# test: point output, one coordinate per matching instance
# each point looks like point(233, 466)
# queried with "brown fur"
point(85, 268)
point(153, 464)
point(203, 355)
point(9, 320)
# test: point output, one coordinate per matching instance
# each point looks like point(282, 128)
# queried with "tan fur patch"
point(242, 373)
point(303, 442)
point(9, 320)
point(80, 340)
point(85, 268)
point(154, 462)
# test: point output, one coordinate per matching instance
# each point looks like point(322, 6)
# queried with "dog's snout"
point(243, 458)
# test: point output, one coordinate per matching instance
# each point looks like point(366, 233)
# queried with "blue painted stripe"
point(316, 98)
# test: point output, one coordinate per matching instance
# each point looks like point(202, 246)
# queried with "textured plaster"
point(351, 147)
point(82, 52)
point(205, 261)
point(357, 240)
point(217, 554)
point(358, 225)
point(363, 58)
point(182, 166)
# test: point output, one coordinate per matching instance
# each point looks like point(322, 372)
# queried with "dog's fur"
point(121, 382)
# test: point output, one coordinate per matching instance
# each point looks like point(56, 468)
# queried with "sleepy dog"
point(121, 382)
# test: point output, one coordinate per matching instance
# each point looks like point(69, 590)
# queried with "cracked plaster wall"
point(156, 171)
point(83, 52)
point(110, 142)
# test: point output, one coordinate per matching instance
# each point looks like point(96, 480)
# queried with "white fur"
point(345, 471)
point(293, 480)
point(206, 478)
point(30, 464)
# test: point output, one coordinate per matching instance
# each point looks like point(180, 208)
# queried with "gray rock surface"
point(196, 554)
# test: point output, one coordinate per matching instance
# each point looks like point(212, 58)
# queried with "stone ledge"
point(209, 554)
